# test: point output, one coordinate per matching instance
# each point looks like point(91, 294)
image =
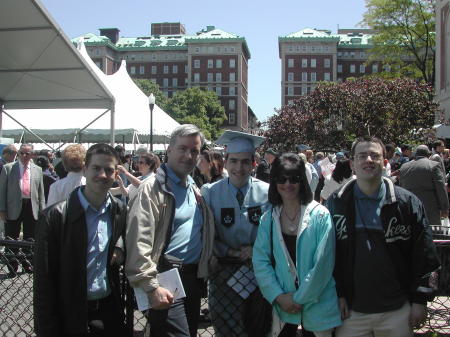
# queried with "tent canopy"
point(86, 136)
point(39, 66)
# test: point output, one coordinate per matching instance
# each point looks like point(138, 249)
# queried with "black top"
point(291, 245)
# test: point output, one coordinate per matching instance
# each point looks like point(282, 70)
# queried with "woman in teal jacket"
point(293, 255)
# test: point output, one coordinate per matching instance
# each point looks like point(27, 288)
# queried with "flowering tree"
point(332, 116)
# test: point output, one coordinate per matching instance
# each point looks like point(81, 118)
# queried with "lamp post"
point(151, 103)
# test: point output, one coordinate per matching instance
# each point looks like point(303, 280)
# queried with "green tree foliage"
point(405, 37)
point(332, 116)
point(199, 107)
point(149, 87)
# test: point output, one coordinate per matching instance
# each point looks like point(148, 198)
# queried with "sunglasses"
point(25, 153)
point(292, 179)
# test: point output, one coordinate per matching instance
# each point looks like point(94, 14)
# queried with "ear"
point(352, 165)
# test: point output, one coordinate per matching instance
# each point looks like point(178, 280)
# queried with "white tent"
point(132, 115)
point(39, 66)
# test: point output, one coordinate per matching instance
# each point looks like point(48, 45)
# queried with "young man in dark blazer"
point(77, 256)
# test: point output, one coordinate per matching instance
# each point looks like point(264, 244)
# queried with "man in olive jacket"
point(77, 257)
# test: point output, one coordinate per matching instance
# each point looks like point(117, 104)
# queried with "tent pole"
point(113, 126)
point(1, 119)
point(87, 125)
point(23, 126)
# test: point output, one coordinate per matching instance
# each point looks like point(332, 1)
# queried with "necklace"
point(292, 225)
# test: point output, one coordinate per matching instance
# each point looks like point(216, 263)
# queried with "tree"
point(405, 36)
point(332, 116)
point(149, 87)
point(199, 107)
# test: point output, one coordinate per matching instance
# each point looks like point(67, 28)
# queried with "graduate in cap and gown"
point(237, 203)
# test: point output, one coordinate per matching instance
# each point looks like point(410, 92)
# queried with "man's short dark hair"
point(436, 143)
point(289, 164)
point(405, 147)
point(101, 148)
point(390, 147)
point(367, 139)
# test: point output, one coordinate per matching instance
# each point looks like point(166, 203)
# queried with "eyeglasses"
point(25, 153)
point(292, 179)
point(363, 156)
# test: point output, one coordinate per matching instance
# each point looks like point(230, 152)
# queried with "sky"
point(260, 22)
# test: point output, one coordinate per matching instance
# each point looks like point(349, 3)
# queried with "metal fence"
point(16, 296)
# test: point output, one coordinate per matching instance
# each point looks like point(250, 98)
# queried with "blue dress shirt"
point(99, 230)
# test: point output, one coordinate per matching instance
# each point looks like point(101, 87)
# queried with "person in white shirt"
point(73, 158)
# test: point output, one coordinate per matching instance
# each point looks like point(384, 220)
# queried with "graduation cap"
point(302, 147)
point(237, 142)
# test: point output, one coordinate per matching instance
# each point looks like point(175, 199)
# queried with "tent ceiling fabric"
point(39, 66)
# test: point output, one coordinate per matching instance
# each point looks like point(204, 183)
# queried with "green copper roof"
point(164, 42)
point(356, 40)
point(309, 34)
point(217, 36)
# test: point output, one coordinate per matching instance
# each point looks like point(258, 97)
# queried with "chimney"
point(110, 33)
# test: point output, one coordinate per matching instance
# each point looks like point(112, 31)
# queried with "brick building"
point(212, 59)
point(313, 55)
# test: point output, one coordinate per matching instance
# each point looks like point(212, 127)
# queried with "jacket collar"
point(347, 190)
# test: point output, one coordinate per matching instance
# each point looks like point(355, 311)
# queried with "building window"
point(362, 54)
point(374, 68)
point(99, 64)
point(219, 63)
point(352, 68)
point(290, 76)
point(290, 63)
point(186, 69)
point(327, 63)
point(387, 67)
point(175, 69)
point(313, 63)
point(304, 90)
point(304, 63)
point(174, 82)
point(313, 77)
point(219, 91)
point(165, 82)
point(196, 64)
point(218, 77)
point(166, 93)
point(232, 77)
point(210, 64)
point(210, 77)
point(141, 70)
point(232, 49)
point(153, 80)
point(133, 70)
point(154, 70)
point(209, 88)
point(232, 63)
point(326, 76)
point(231, 118)
point(196, 77)
point(166, 69)
point(232, 91)
point(362, 68)
point(231, 104)
point(339, 68)
point(290, 91)
point(186, 81)
point(304, 77)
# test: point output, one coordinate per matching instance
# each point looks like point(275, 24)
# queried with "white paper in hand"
point(170, 280)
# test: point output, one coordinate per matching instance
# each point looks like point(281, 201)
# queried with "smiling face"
point(288, 186)
point(100, 174)
point(239, 166)
point(368, 161)
point(182, 156)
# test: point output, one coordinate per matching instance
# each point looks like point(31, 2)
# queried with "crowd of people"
point(337, 244)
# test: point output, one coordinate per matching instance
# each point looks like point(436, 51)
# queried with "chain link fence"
point(16, 298)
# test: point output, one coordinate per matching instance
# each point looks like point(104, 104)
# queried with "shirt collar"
point(86, 205)
point(172, 176)
point(244, 188)
point(378, 195)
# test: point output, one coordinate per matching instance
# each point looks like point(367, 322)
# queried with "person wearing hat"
point(263, 169)
point(237, 203)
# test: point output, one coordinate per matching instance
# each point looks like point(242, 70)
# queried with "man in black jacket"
point(77, 257)
point(384, 250)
